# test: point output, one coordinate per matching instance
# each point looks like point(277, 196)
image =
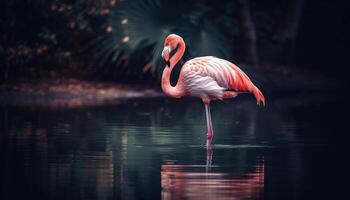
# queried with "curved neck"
point(178, 54)
point(177, 91)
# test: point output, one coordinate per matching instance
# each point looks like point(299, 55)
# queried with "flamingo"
point(209, 78)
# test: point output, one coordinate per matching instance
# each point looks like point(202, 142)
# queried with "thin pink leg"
point(210, 132)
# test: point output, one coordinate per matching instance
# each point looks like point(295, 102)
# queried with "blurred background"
point(70, 127)
point(121, 40)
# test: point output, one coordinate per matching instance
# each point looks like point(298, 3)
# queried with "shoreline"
point(72, 93)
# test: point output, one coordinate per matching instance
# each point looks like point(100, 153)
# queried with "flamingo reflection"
point(192, 182)
point(209, 155)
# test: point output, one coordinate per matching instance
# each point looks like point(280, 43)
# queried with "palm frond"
point(140, 27)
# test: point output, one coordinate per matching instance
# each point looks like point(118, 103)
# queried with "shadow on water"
point(155, 149)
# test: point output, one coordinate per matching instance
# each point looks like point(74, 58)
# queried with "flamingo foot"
point(209, 135)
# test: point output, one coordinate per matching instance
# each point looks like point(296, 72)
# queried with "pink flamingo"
point(208, 78)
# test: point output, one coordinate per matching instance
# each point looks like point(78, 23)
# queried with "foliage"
point(137, 30)
point(47, 33)
point(124, 37)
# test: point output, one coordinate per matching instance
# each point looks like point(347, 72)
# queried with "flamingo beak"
point(166, 54)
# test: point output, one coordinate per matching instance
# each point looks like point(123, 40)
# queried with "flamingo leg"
point(209, 124)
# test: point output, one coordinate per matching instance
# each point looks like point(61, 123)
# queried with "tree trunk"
point(290, 25)
point(288, 31)
point(248, 33)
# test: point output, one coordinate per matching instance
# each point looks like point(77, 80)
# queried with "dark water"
point(294, 148)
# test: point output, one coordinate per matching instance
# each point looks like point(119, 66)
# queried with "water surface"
point(294, 148)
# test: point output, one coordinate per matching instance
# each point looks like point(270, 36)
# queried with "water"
point(294, 148)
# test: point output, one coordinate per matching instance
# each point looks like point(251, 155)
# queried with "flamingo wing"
point(210, 77)
point(200, 85)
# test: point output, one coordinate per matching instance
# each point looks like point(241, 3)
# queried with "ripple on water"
point(229, 146)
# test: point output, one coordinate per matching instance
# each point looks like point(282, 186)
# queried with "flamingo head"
point(170, 43)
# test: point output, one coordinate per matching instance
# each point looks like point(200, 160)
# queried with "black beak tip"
point(167, 62)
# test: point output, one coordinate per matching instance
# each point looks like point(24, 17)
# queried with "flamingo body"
point(211, 78)
point(208, 78)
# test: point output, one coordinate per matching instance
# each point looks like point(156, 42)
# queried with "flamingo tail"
point(259, 96)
